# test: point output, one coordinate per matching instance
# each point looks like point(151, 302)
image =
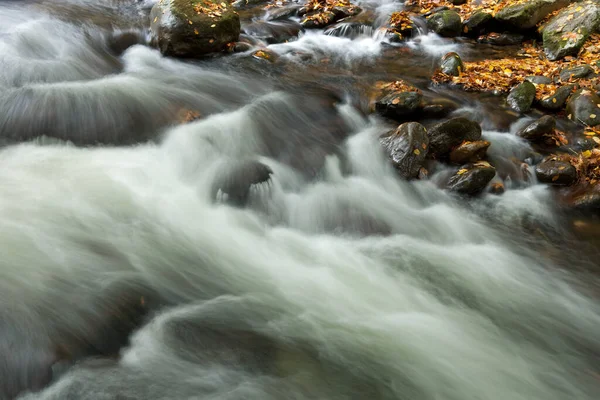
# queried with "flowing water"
point(122, 278)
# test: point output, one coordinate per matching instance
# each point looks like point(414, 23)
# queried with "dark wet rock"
point(458, 2)
point(435, 11)
point(477, 23)
point(526, 15)
point(578, 72)
point(273, 32)
point(521, 97)
point(497, 188)
point(283, 13)
point(452, 64)
point(535, 79)
point(566, 33)
point(121, 41)
point(502, 39)
point(438, 107)
point(322, 19)
point(399, 105)
point(445, 23)
point(407, 147)
point(555, 171)
point(446, 135)
point(586, 200)
point(241, 47)
point(472, 179)
point(350, 30)
point(468, 152)
point(180, 31)
point(536, 131)
point(584, 107)
point(558, 100)
point(232, 185)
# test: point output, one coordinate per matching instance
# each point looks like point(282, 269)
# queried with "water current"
point(123, 275)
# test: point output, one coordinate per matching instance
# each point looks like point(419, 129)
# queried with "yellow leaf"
point(213, 25)
point(554, 100)
point(587, 154)
point(592, 116)
point(416, 151)
point(579, 8)
point(396, 101)
point(555, 178)
point(461, 171)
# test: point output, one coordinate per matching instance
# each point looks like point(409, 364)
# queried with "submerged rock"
point(192, 28)
point(526, 15)
point(588, 200)
point(521, 97)
point(566, 33)
point(446, 135)
point(452, 64)
point(438, 107)
point(472, 179)
point(536, 131)
point(558, 99)
point(407, 147)
point(539, 79)
point(555, 171)
point(584, 107)
point(468, 152)
point(502, 39)
point(399, 105)
point(477, 23)
point(232, 185)
point(445, 23)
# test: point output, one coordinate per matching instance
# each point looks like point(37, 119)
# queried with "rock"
point(458, 2)
point(265, 54)
point(407, 147)
point(445, 23)
point(273, 32)
point(471, 179)
point(576, 72)
point(350, 30)
point(452, 64)
point(326, 17)
point(179, 30)
point(121, 41)
point(526, 15)
point(521, 97)
point(477, 23)
point(497, 188)
point(446, 135)
point(399, 105)
point(589, 200)
point(319, 21)
point(241, 47)
point(468, 152)
point(566, 33)
point(502, 39)
point(232, 185)
point(539, 80)
point(438, 108)
point(558, 99)
point(536, 131)
point(555, 171)
point(283, 13)
point(584, 107)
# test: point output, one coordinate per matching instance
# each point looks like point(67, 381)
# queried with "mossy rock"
point(452, 64)
point(521, 97)
point(584, 107)
point(526, 15)
point(445, 23)
point(477, 23)
point(193, 28)
point(558, 100)
point(407, 148)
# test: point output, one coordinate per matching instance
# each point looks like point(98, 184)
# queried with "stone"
point(266, 55)
point(526, 15)
point(447, 135)
point(468, 152)
point(566, 33)
point(539, 80)
point(502, 39)
point(477, 23)
point(438, 107)
point(555, 171)
point(578, 72)
point(458, 2)
point(521, 97)
point(472, 179)
point(536, 131)
point(283, 13)
point(399, 105)
point(589, 200)
point(232, 185)
point(407, 148)
point(558, 100)
point(445, 23)
point(179, 30)
point(273, 32)
point(584, 107)
point(452, 64)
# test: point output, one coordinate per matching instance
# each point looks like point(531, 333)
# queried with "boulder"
point(578, 72)
point(407, 147)
point(472, 179)
point(468, 152)
point(558, 99)
point(526, 15)
point(566, 33)
point(584, 107)
point(477, 23)
point(537, 130)
point(232, 185)
point(452, 64)
point(539, 79)
point(555, 171)
point(502, 39)
point(273, 32)
point(438, 108)
point(399, 105)
point(521, 97)
point(192, 28)
point(446, 135)
point(445, 23)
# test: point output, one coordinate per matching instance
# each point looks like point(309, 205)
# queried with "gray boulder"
point(407, 147)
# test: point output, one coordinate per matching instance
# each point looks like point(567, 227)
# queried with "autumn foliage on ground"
point(464, 10)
